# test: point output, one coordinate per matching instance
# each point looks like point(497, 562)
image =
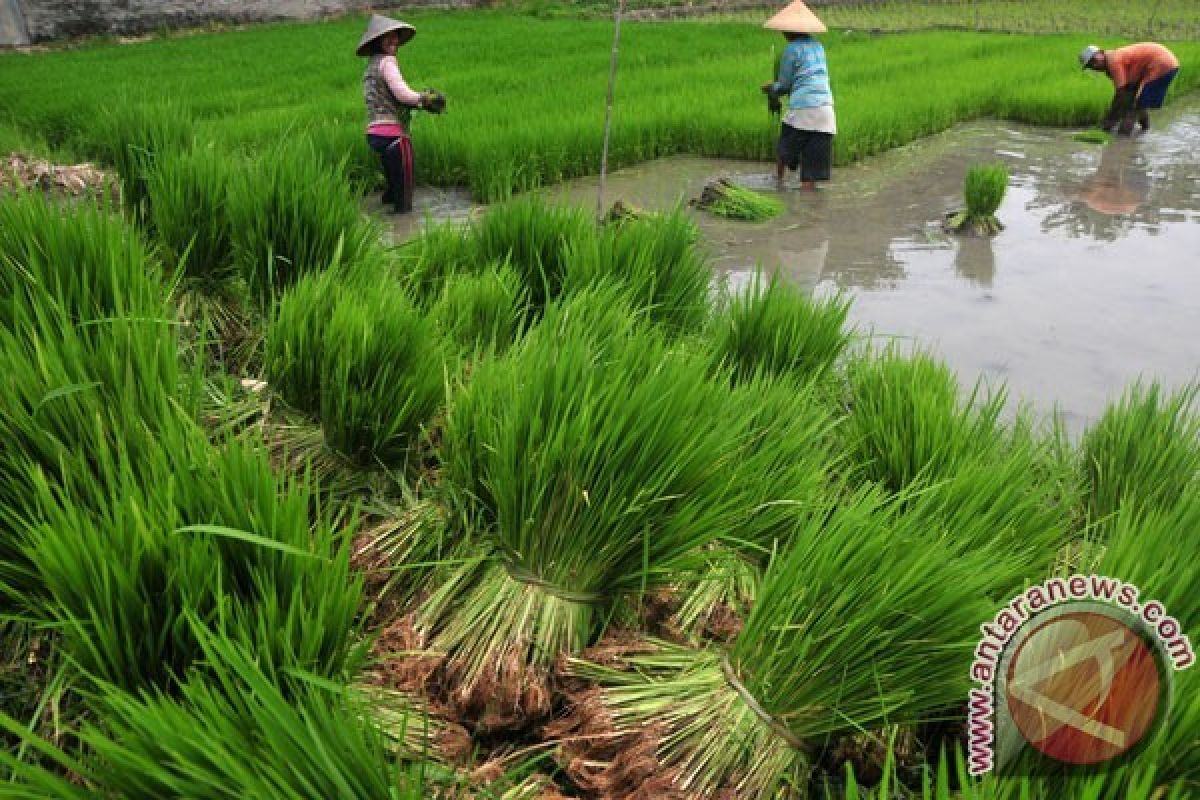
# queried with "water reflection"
point(975, 260)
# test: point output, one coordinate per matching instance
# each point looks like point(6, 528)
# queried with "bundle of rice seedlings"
point(984, 190)
point(361, 359)
point(594, 463)
point(906, 420)
point(990, 487)
point(233, 732)
point(658, 261)
point(1093, 136)
point(132, 136)
point(725, 198)
point(381, 376)
point(187, 207)
point(531, 236)
point(482, 313)
point(196, 533)
point(777, 329)
point(89, 263)
point(1144, 451)
point(292, 214)
point(427, 262)
point(864, 620)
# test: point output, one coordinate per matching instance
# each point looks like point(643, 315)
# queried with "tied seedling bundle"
point(1093, 136)
point(593, 461)
point(725, 198)
point(984, 189)
point(864, 620)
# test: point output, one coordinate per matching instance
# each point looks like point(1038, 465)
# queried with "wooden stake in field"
point(612, 82)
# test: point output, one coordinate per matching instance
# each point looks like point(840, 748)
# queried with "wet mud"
point(1093, 283)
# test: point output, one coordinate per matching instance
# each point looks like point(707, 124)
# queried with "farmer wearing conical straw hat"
point(806, 138)
point(1141, 74)
point(390, 102)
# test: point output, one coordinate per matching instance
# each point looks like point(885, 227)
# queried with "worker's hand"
point(766, 88)
point(433, 101)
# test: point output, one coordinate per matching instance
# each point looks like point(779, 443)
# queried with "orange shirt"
point(1139, 63)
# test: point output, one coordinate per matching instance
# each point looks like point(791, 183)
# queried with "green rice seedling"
point(726, 199)
point(187, 195)
point(906, 421)
point(777, 329)
point(596, 461)
point(984, 190)
point(294, 349)
point(428, 261)
point(232, 733)
point(863, 620)
point(86, 262)
point(1092, 136)
point(381, 375)
point(532, 237)
point(193, 533)
point(1144, 451)
point(482, 313)
point(132, 136)
point(293, 215)
point(658, 261)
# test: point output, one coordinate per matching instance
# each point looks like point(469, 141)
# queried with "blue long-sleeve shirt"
point(804, 75)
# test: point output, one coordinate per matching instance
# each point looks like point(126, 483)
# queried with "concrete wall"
point(48, 20)
point(12, 24)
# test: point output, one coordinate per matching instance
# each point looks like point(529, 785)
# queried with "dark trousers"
point(395, 152)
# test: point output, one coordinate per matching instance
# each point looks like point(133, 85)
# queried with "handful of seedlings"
point(1093, 136)
point(984, 190)
point(726, 199)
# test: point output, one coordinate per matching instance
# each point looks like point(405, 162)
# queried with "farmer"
point(806, 138)
point(1140, 74)
point(390, 102)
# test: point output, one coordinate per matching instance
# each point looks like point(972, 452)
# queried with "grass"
point(667, 103)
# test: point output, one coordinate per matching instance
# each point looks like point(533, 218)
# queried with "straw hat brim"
point(796, 18)
point(379, 26)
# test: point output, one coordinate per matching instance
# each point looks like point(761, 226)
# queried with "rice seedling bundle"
point(187, 197)
point(233, 732)
point(726, 199)
point(361, 359)
point(427, 262)
point(1144, 451)
point(292, 215)
point(656, 259)
point(194, 535)
point(596, 461)
point(132, 136)
point(774, 328)
point(82, 260)
point(863, 620)
point(381, 375)
point(984, 189)
point(482, 313)
point(1094, 136)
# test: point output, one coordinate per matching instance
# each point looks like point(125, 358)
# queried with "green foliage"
point(775, 328)
point(482, 313)
point(188, 211)
point(984, 189)
point(726, 199)
point(232, 732)
point(1093, 136)
point(88, 263)
point(292, 215)
point(1144, 451)
point(132, 136)
point(196, 533)
point(359, 357)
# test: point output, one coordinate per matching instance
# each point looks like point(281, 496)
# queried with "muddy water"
point(1094, 282)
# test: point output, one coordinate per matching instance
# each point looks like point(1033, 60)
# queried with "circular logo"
point(1083, 687)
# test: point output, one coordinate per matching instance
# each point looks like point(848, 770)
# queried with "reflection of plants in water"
point(975, 261)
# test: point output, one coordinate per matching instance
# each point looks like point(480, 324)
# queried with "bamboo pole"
point(612, 82)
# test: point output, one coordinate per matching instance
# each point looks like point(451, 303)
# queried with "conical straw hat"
point(378, 26)
point(796, 18)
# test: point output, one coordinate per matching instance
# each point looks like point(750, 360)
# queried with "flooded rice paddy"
point(1094, 282)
